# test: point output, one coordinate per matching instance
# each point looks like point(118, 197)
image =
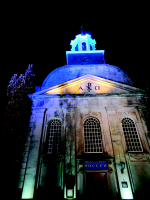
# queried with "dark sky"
point(125, 45)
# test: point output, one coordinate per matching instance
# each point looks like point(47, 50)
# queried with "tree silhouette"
point(15, 128)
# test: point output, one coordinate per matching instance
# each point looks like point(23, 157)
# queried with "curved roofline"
point(65, 66)
point(45, 80)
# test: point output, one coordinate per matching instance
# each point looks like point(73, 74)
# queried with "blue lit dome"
point(69, 72)
point(84, 59)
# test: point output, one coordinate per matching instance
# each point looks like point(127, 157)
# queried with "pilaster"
point(31, 170)
point(125, 192)
point(106, 133)
point(70, 168)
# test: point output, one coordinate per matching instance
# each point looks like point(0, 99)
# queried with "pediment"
point(89, 84)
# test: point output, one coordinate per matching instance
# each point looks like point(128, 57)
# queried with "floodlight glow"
point(83, 38)
point(27, 194)
point(28, 189)
point(65, 191)
point(79, 86)
point(126, 194)
point(70, 193)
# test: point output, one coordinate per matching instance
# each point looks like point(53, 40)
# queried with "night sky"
point(125, 45)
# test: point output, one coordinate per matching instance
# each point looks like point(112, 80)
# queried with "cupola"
point(83, 51)
point(83, 43)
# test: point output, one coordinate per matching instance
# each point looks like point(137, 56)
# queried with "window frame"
point(131, 138)
point(92, 136)
point(48, 135)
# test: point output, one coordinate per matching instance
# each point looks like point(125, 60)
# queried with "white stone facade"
point(44, 174)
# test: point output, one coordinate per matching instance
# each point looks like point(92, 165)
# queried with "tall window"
point(131, 136)
point(54, 136)
point(76, 48)
point(83, 46)
point(92, 136)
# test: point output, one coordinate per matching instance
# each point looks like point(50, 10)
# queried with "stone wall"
point(72, 111)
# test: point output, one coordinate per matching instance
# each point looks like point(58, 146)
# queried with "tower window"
point(83, 46)
point(92, 136)
point(76, 48)
point(54, 136)
point(131, 136)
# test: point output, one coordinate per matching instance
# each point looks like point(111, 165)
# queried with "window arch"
point(92, 136)
point(83, 46)
point(54, 136)
point(131, 136)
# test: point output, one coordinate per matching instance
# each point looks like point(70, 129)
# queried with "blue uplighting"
point(84, 43)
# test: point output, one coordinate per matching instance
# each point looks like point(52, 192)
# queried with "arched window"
point(54, 136)
point(83, 46)
point(92, 136)
point(131, 136)
point(76, 48)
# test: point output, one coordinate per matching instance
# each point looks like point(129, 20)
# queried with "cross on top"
point(82, 30)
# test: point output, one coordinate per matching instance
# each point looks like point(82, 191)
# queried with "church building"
point(88, 137)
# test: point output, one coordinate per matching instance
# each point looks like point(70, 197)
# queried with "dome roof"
point(69, 72)
point(84, 59)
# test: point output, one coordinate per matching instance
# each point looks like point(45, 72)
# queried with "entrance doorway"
point(96, 185)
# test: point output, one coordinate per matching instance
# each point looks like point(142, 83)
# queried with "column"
point(29, 183)
point(106, 133)
point(123, 178)
point(70, 149)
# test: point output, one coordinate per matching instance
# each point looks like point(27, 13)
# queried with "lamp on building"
point(122, 166)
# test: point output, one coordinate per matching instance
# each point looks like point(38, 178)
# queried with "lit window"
point(54, 136)
point(131, 136)
point(92, 136)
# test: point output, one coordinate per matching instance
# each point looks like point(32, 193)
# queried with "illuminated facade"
point(88, 137)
